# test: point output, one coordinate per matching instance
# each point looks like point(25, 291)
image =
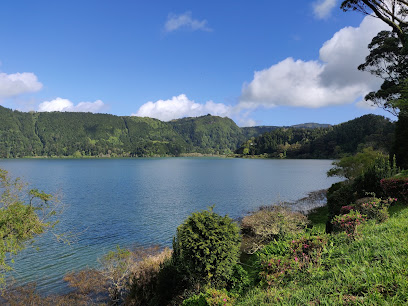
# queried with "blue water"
point(128, 202)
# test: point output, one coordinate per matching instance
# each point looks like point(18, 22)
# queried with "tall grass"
point(371, 270)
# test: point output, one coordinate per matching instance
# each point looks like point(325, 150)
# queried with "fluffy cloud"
point(333, 80)
point(18, 83)
point(323, 8)
point(65, 105)
point(181, 106)
point(185, 21)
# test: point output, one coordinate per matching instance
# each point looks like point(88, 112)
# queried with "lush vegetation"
point(88, 135)
point(24, 214)
point(329, 142)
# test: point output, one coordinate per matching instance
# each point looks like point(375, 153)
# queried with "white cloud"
point(185, 21)
point(333, 80)
point(323, 8)
point(65, 105)
point(18, 83)
point(179, 107)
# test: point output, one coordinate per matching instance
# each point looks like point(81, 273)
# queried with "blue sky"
point(258, 62)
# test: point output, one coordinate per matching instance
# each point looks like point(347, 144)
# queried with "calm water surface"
point(131, 202)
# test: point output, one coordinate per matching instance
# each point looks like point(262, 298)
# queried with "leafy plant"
point(24, 214)
point(348, 223)
point(207, 244)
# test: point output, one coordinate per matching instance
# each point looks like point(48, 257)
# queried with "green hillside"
point(86, 134)
point(323, 142)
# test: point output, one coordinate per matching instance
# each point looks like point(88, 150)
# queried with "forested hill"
point(323, 142)
point(86, 134)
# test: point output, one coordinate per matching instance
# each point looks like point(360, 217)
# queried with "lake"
point(130, 202)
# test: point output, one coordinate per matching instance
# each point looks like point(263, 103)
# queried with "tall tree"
point(388, 59)
point(392, 12)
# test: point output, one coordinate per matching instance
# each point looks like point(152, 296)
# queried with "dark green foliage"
point(396, 187)
point(401, 141)
point(330, 142)
point(339, 195)
point(239, 280)
point(208, 246)
point(209, 134)
point(172, 282)
point(372, 166)
point(87, 134)
point(369, 180)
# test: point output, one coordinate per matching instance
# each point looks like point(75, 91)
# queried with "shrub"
point(132, 276)
point(396, 188)
point(308, 250)
point(339, 195)
point(24, 214)
point(275, 248)
point(268, 224)
point(239, 280)
point(348, 223)
point(369, 180)
point(275, 271)
point(207, 244)
point(211, 297)
point(375, 209)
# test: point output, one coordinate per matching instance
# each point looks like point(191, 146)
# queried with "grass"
point(372, 270)
point(318, 218)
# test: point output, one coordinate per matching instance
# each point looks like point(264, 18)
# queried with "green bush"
point(239, 280)
point(375, 209)
point(207, 244)
point(339, 195)
point(369, 180)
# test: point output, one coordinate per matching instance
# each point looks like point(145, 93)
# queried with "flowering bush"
point(376, 209)
point(308, 250)
point(396, 188)
point(275, 270)
point(346, 209)
point(348, 223)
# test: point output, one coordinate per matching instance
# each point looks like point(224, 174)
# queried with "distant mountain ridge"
point(86, 134)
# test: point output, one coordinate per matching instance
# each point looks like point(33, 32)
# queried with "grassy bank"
point(371, 270)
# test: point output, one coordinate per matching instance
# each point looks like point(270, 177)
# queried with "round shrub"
point(207, 244)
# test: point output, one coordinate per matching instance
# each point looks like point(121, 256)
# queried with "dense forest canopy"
point(323, 142)
point(86, 134)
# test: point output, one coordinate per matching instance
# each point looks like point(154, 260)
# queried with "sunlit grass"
point(372, 270)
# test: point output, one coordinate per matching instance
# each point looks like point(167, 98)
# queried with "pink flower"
point(296, 259)
point(224, 299)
